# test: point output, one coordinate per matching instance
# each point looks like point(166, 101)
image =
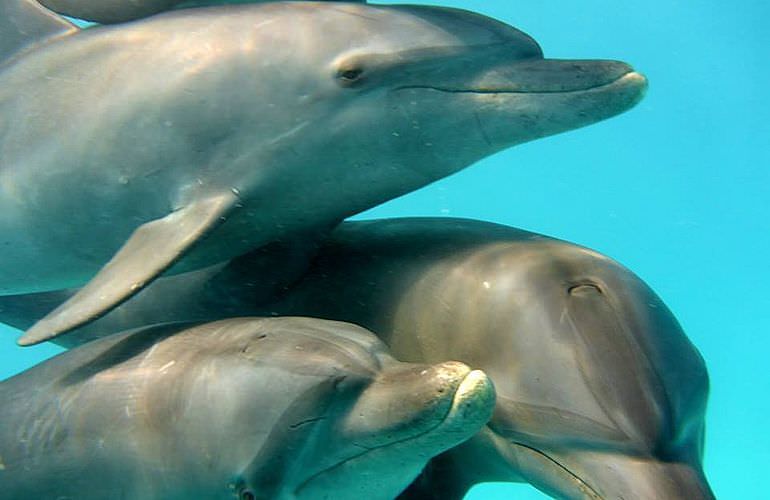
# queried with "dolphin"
point(194, 136)
point(465, 289)
point(600, 393)
point(243, 408)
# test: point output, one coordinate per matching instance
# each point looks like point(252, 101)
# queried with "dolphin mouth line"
point(630, 75)
point(455, 403)
point(578, 480)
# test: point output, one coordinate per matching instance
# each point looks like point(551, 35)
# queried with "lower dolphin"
point(243, 408)
point(600, 393)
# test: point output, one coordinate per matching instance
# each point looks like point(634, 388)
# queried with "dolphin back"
point(24, 23)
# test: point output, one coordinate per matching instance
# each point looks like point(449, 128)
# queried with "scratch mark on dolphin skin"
point(168, 365)
point(483, 132)
point(306, 421)
point(148, 355)
point(61, 79)
point(578, 481)
point(152, 173)
point(2, 465)
point(290, 132)
point(263, 23)
point(350, 12)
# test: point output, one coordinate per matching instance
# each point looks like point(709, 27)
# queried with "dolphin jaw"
point(472, 405)
point(644, 472)
point(631, 78)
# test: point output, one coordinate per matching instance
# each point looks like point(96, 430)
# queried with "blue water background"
point(678, 190)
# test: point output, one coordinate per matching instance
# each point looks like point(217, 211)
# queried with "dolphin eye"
point(247, 495)
point(350, 75)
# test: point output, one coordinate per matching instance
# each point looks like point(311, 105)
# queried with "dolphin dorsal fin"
point(24, 23)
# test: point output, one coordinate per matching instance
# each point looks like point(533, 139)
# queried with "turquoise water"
point(676, 189)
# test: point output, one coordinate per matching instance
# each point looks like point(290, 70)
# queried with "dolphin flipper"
point(26, 22)
point(151, 249)
point(280, 456)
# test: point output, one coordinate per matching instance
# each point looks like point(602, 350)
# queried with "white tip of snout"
point(474, 400)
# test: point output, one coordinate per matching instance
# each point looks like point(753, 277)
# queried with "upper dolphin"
point(127, 145)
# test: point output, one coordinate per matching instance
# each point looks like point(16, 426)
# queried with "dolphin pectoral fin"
point(279, 455)
point(151, 249)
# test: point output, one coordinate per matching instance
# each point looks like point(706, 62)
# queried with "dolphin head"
point(333, 413)
point(623, 417)
point(599, 392)
point(409, 94)
point(449, 87)
point(387, 430)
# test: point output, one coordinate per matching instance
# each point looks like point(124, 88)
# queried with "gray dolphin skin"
point(116, 11)
point(197, 135)
point(243, 408)
point(600, 393)
point(109, 11)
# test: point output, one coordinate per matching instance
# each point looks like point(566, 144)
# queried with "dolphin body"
point(123, 147)
point(600, 393)
point(243, 408)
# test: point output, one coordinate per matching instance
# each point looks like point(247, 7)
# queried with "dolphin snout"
point(558, 76)
point(412, 400)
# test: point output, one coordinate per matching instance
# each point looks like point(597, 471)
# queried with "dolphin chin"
point(600, 474)
point(474, 387)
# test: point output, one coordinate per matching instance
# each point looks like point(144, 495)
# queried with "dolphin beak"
point(507, 101)
point(404, 418)
point(533, 76)
point(539, 76)
point(410, 402)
